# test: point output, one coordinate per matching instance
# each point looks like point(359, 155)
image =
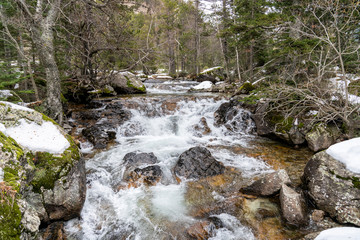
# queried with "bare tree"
point(334, 24)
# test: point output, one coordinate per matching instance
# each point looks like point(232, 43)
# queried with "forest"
point(179, 119)
point(291, 47)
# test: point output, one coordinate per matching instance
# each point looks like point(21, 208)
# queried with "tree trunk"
point(43, 39)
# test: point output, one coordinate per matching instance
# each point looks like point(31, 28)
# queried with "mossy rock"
point(126, 83)
point(10, 215)
point(246, 88)
point(58, 180)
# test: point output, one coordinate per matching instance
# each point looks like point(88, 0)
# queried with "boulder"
point(268, 185)
point(293, 206)
point(127, 83)
point(44, 174)
point(321, 137)
point(333, 188)
point(197, 163)
point(142, 168)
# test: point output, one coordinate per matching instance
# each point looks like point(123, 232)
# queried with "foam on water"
point(145, 212)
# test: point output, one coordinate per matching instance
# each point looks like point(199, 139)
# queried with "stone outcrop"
point(333, 188)
point(197, 163)
point(268, 185)
point(293, 206)
point(39, 187)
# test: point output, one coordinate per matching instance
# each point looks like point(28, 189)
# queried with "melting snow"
point(347, 152)
point(204, 85)
point(349, 233)
point(18, 107)
point(5, 93)
point(44, 138)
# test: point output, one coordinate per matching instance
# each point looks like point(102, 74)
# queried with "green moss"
point(355, 180)
point(11, 146)
point(282, 124)
point(130, 85)
point(10, 216)
point(251, 99)
point(246, 88)
point(49, 167)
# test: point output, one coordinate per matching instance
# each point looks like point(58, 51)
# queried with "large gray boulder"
point(333, 188)
point(197, 163)
point(127, 83)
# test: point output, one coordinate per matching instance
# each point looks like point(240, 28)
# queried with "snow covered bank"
point(42, 136)
point(347, 152)
point(349, 233)
point(203, 85)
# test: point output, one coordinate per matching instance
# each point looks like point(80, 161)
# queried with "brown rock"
point(269, 185)
point(317, 215)
point(200, 230)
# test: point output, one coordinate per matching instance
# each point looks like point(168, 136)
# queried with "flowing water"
point(167, 122)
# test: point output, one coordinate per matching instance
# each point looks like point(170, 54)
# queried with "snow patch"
point(203, 85)
point(210, 69)
point(5, 93)
point(43, 138)
point(1, 175)
point(349, 233)
point(17, 107)
point(347, 152)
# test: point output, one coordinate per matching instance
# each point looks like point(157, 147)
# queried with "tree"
point(40, 19)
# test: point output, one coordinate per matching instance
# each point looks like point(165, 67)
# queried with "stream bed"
point(167, 122)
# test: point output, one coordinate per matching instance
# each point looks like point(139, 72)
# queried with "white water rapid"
point(162, 211)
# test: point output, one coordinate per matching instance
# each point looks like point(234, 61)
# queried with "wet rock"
point(321, 137)
point(317, 215)
point(202, 128)
point(233, 116)
point(150, 175)
point(201, 230)
point(54, 231)
point(293, 206)
point(127, 83)
point(198, 163)
point(98, 136)
point(136, 159)
point(333, 188)
point(269, 185)
point(141, 168)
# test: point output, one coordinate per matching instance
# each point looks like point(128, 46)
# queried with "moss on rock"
point(50, 167)
point(10, 215)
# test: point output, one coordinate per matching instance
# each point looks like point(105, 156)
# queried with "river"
point(167, 122)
